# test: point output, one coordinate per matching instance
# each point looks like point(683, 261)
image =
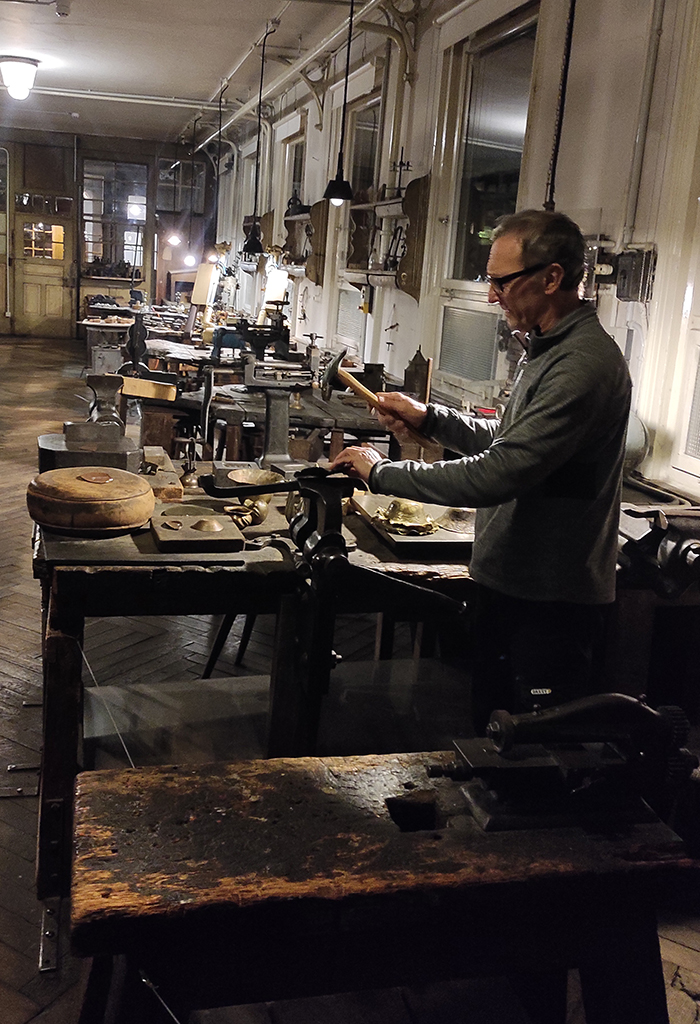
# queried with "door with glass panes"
point(44, 267)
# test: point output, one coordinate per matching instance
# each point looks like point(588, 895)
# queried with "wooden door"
point(45, 275)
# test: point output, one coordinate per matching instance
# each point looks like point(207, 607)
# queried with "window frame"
point(113, 226)
point(479, 43)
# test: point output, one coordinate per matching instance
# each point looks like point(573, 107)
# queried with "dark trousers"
point(533, 654)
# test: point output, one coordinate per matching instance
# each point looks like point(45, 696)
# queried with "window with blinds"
point(469, 346)
point(350, 325)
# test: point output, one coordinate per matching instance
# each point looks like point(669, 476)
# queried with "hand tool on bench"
point(335, 371)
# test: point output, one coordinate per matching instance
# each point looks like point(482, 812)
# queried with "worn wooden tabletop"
point(166, 842)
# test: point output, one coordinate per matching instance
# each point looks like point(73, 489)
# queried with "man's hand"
point(396, 410)
point(357, 462)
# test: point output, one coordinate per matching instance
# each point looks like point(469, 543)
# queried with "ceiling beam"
point(295, 69)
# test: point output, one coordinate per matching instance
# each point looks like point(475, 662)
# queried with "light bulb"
point(190, 261)
point(213, 258)
point(18, 75)
point(174, 240)
point(337, 202)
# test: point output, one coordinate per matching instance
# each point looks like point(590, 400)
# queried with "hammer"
point(334, 371)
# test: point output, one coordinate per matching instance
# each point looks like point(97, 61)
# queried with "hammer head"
point(330, 373)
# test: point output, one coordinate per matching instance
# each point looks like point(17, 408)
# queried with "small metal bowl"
point(258, 477)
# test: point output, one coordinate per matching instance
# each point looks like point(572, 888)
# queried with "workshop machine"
point(606, 761)
point(660, 548)
point(255, 338)
point(278, 380)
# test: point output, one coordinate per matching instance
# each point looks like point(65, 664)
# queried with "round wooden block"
point(90, 500)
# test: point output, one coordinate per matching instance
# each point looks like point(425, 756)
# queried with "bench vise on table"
point(661, 548)
point(329, 583)
point(607, 760)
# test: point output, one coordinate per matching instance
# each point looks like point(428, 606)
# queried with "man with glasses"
point(545, 479)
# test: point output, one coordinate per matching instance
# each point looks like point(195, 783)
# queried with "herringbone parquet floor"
point(40, 388)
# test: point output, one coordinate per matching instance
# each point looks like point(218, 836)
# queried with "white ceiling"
point(134, 52)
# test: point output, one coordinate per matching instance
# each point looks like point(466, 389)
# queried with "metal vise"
point(661, 547)
point(607, 760)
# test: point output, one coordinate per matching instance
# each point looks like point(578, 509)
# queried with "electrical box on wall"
point(635, 274)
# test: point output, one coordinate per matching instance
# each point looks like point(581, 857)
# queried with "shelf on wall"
point(389, 208)
point(378, 278)
point(114, 280)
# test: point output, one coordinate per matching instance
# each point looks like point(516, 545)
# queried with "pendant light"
point(338, 189)
point(18, 75)
point(253, 245)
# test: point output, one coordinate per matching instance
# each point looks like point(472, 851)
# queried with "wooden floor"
point(151, 665)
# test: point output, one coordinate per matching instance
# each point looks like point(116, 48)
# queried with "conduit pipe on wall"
point(121, 97)
point(8, 311)
point(294, 70)
point(561, 105)
point(640, 137)
point(402, 78)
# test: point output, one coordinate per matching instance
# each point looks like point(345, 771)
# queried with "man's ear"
point(553, 277)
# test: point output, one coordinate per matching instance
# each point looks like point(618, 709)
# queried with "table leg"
point(621, 976)
point(62, 721)
point(337, 443)
point(543, 995)
point(301, 667)
point(234, 440)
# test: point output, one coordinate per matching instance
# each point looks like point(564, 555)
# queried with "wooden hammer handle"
point(369, 396)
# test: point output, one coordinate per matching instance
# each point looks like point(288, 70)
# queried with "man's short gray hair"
point(547, 237)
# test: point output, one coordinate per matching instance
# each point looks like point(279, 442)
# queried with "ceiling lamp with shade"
point(18, 74)
point(339, 190)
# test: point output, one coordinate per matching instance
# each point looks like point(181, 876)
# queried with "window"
point(114, 215)
point(180, 186)
point(469, 344)
point(350, 324)
point(45, 241)
point(364, 133)
point(296, 165)
point(499, 85)
point(49, 205)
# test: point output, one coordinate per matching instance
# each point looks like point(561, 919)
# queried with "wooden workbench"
point(127, 575)
point(262, 880)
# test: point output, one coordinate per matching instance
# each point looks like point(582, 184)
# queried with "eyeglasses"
point(499, 283)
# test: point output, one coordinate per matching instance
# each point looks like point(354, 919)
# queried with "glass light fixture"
point(338, 189)
point(174, 240)
point(18, 74)
point(189, 260)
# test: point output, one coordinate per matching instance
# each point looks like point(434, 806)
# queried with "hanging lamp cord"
point(345, 93)
point(194, 130)
point(257, 149)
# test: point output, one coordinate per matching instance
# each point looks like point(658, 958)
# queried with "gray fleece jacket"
point(546, 478)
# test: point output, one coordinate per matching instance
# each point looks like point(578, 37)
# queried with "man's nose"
point(493, 295)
